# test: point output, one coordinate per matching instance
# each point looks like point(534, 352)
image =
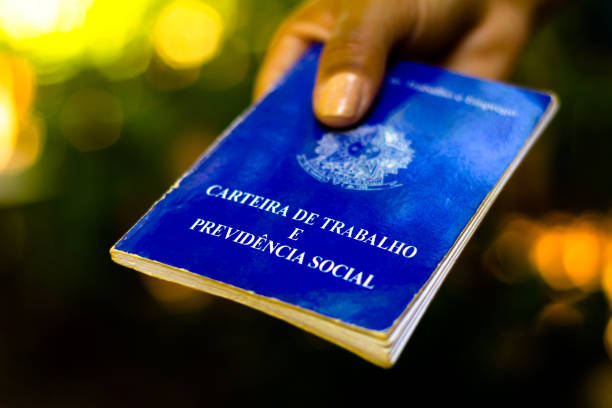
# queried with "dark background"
point(78, 330)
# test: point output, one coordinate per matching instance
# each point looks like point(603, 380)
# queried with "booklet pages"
point(345, 233)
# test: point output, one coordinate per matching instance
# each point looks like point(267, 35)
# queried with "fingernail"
point(339, 96)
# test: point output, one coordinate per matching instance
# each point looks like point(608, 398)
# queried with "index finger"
point(312, 22)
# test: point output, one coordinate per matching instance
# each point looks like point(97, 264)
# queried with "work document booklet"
point(347, 233)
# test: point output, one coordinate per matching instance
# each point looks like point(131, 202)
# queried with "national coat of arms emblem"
point(366, 158)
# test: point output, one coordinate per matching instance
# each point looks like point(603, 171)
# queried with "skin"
point(477, 37)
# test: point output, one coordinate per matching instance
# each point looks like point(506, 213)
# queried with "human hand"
point(477, 37)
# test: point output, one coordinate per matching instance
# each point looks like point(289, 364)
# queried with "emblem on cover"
point(366, 158)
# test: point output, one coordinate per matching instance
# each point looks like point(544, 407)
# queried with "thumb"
point(351, 68)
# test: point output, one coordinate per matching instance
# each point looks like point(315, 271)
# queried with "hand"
point(477, 37)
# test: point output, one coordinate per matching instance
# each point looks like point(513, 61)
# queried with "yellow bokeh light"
point(43, 27)
point(104, 45)
point(28, 18)
point(187, 33)
point(8, 114)
point(62, 36)
point(581, 253)
point(7, 129)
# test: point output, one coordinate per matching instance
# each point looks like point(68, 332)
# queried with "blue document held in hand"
point(349, 233)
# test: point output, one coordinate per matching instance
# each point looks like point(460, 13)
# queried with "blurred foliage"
point(104, 103)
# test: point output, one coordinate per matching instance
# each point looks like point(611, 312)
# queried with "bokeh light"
point(572, 254)
point(187, 33)
point(608, 339)
point(26, 19)
point(63, 36)
point(8, 117)
point(165, 78)
point(606, 276)
point(92, 119)
point(597, 387)
point(48, 31)
point(568, 255)
point(123, 51)
point(187, 146)
point(230, 69)
point(560, 314)
point(581, 252)
point(505, 257)
point(174, 296)
point(19, 132)
point(547, 256)
point(29, 145)
point(24, 83)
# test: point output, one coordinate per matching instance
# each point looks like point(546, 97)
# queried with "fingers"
point(310, 23)
point(359, 35)
point(352, 65)
point(491, 49)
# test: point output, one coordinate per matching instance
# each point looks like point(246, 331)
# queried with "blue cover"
point(414, 173)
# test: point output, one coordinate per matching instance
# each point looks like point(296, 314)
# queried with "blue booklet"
point(345, 233)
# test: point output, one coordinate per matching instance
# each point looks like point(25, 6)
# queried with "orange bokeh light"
point(569, 255)
point(17, 84)
point(581, 255)
point(606, 277)
point(608, 339)
point(547, 256)
point(176, 297)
